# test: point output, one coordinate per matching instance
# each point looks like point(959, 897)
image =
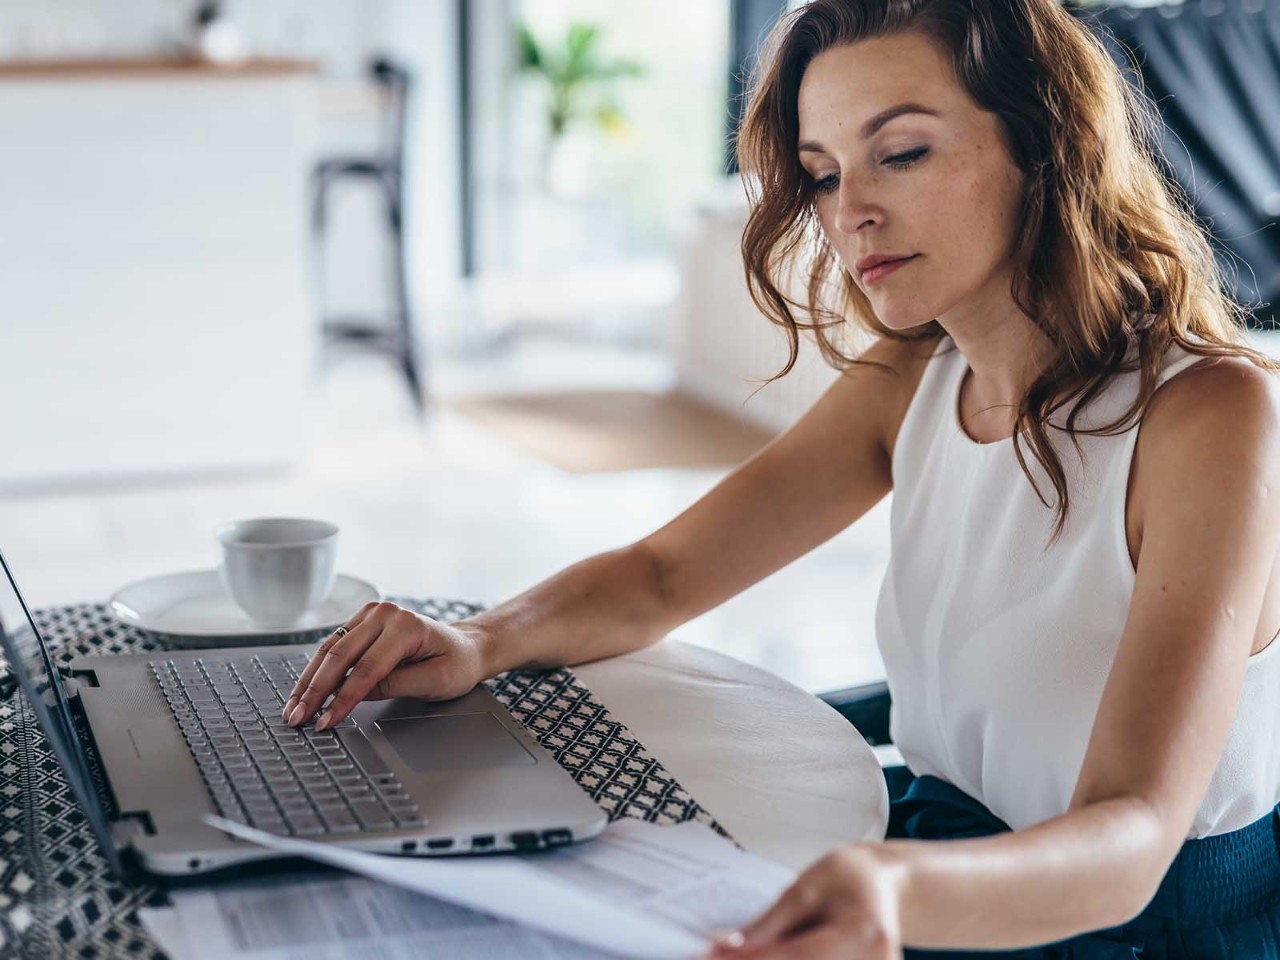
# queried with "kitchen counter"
point(160, 68)
point(157, 310)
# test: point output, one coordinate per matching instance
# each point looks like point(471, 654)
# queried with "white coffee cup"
point(278, 568)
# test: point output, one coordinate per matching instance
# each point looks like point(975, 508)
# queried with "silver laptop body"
point(152, 742)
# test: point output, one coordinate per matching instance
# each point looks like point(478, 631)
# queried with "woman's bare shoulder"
point(1204, 410)
point(1224, 387)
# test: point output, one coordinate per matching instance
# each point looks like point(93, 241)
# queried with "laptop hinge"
point(131, 825)
point(72, 675)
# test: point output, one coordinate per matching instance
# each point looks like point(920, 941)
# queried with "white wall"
point(341, 35)
point(155, 311)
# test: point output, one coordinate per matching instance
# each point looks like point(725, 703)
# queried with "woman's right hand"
point(386, 651)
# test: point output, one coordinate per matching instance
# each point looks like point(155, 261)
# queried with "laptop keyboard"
point(261, 771)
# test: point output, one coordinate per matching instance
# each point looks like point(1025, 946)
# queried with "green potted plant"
point(579, 84)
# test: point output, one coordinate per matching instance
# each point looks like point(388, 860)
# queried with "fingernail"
point(295, 717)
point(324, 720)
point(288, 707)
point(729, 939)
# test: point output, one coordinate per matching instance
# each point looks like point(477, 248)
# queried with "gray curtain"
point(1213, 67)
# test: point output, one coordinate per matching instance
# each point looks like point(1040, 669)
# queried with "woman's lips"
point(873, 274)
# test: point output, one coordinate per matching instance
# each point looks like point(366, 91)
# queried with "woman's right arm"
point(801, 489)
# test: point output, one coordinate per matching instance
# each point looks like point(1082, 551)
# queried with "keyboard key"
point(371, 814)
point(323, 794)
point(305, 824)
point(363, 751)
point(339, 820)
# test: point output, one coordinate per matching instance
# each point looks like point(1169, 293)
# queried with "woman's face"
point(939, 187)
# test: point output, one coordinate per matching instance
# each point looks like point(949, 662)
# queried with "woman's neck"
point(1006, 352)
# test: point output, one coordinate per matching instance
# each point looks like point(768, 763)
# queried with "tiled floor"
point(444, 508)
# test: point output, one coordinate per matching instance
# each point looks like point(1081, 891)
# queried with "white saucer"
point(193, 609)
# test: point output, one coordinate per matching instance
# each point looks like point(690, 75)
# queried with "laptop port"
point(483, 841)
point(526, 840)
point(409, 846)
point(442, 844)
point(556, 838)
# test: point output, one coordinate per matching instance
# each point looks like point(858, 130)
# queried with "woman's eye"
point(827, 184)
point(901, 161)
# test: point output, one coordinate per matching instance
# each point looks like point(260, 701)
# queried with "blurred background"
point(461, 276)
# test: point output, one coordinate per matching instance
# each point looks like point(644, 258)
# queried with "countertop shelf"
point(165, 68)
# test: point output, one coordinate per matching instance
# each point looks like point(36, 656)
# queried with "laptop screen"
point(33, 667)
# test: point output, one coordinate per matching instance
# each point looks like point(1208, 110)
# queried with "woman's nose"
point(853, 209)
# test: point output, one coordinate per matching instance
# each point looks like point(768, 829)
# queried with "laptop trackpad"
point(453, 740)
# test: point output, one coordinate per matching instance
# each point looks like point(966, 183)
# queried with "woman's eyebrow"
point(875, 123)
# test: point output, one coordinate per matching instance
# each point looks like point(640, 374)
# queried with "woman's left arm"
point(1211, 533)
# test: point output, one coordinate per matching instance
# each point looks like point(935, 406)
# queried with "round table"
point(782, 772)
point(667, 734)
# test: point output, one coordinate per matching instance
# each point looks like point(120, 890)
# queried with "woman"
point(1078, 641)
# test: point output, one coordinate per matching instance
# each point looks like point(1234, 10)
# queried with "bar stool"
point(385, 172)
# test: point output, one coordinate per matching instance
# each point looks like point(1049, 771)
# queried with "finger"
point(309, 671)
point(819, 943)
point(799, 906)
point(318, 657)
point(396, 641)
point(332, 667)
point(727, 943)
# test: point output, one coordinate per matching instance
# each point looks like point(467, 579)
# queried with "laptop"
point(152, 742)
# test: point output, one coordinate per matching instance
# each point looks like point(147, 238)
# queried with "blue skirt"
point(1220, 899)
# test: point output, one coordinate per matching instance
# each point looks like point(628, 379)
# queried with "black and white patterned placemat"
point(57, 898)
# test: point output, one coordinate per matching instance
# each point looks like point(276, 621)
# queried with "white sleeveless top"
point(996, 651)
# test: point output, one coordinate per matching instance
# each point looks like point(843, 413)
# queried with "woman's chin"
point(903, 321)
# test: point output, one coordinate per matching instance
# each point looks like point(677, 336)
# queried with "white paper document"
point(340, 918)
point(639, 890)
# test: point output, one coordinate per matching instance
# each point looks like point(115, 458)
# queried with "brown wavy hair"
point(1109, 251)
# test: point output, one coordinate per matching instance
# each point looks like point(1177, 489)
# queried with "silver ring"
point(340, 632)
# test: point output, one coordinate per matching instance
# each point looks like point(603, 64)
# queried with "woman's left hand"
point(844, 906)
